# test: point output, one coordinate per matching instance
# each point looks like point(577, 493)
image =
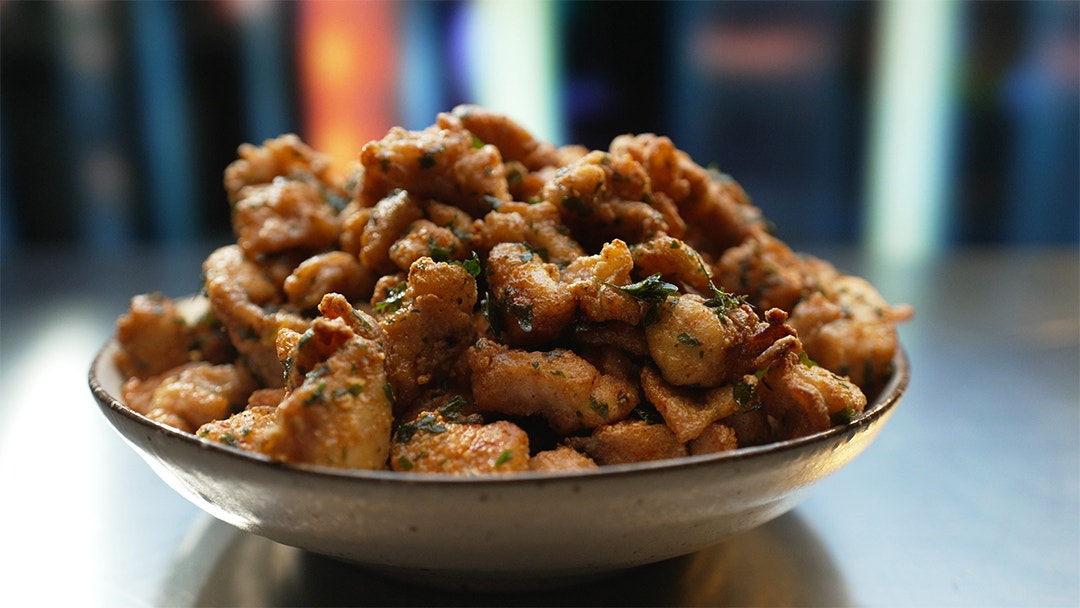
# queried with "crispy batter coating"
point(688, 411)
point(432, 443)
point(339, 414)
point(528, 304)
point(153, 337)
point(325, 273)
point(284, 215)
point(250, 429)
point(286, 156)
point(240, 292)
point(560, 385)
point(440, 162)
point(765, 270)
point(515, 143)
point(698, 344)
point(714, 438)
point(630, 441)
point(602, 196)
point(608, 306)
point(430, 328)
point(674, 260)
point(190, 395)
point(561, 458)
point(594, 281)
point(803, 397)
point(850, 329)
point(538, 225)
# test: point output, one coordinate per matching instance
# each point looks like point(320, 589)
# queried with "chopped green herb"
point(806, 360)
point(653, 289)
point(523, 313)
point(353, 389)
point(404, 463)
point(471, 265)
point(318, 396)
point(599, 407)
point(228, 439)
point(744, 395)
point(844, 416)
point(394, 298)
point(438, 252)
point(428, 422)
point(687, 340)
point(504, 458)
point(723, 301)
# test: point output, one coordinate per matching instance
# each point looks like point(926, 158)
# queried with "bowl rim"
point(887, 399)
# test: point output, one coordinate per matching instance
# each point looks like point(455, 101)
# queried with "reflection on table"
point(781, 563)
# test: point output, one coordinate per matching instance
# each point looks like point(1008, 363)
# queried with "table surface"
point(969, 496)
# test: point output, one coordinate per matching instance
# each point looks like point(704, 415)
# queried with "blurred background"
point(905, 127)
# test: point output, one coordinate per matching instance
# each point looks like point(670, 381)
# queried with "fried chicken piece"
point(250, 429)
point(153, 337)
point(594, 281)
point(708, 343)
point(714, 438)
point(238, 289)
point(850, 329)
point(284, 215)
point(629, 441)
point(433, 443)
point(602, 196)
point(570, 392)
point(765, 270)
point(440, 162)
point(388, 220)
point(688, 411)
point(190, 395)
point(674, 260)
point(338, 412)
point(430, 328)
point(750, 424)
point(629, 338)
point(289, 157)
point(514, 141)
point(806, 398)
point(353, 220)
point(713, 207)
point(560, 458)
point(298, 360)
point(330, 272)
point(528, 304)
point(539, 225)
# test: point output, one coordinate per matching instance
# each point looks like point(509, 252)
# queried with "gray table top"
point(970, 495)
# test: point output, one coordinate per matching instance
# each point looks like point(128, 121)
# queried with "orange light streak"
point(347, 67)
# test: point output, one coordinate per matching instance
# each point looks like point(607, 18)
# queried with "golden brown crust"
point(622, 305)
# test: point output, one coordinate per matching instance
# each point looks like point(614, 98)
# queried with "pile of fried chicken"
point(468, 300)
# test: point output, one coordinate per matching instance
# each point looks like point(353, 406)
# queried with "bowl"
point(526, 530)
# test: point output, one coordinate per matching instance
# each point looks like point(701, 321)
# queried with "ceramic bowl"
point(525, 530)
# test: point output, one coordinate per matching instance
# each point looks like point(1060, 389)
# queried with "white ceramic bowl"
point(519, 531)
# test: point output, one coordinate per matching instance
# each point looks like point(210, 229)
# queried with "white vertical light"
point(911, 144)
point(514, 63)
